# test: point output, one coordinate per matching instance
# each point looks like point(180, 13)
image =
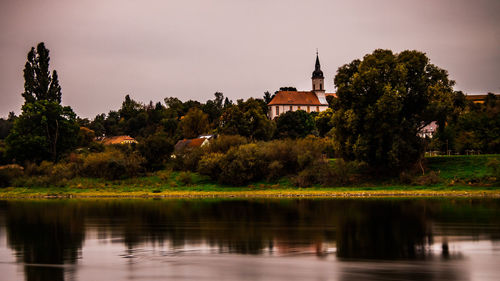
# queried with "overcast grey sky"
point(151, 49)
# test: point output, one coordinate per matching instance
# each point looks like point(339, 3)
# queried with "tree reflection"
point(44, 238)
point(48, 235)
point(383, 230)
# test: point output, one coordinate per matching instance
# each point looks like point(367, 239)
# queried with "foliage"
point(185, 178)
point(295, 124)
point(8, 173)
point(323, 122)
point(477, 128)
point(85, 137)
point(248, 119)
point(223, 143)
point(6, 125)
point(262, 160)
point(494, 166)
point(112, 164)
point(194, 123)
point(156, 150)
point(383, 101)
point(45, 129)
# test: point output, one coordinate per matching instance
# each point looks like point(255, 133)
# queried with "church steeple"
point(317, 76)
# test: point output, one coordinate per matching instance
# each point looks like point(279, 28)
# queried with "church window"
point(277, 110)
point(291, 108)
point(320, 86)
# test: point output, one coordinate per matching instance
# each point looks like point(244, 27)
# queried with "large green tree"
point(295, 124)
point(383, 102)
point(247, 118)
point(45, 129)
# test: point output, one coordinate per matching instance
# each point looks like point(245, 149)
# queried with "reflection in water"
point(48, 236)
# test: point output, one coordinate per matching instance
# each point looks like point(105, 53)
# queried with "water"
point(260, 239)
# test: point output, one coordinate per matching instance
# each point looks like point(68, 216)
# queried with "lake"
point(255, 239)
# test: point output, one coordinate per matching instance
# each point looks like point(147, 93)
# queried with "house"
point(479, 98)
point(310, 101)
point(118, 140)
point(184, 144)
point(429, 130)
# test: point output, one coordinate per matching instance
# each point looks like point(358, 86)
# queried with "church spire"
point(317, 73)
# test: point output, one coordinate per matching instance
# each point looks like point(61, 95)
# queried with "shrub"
point(164, 175)
point(210, 165)
point(242, 165)
point(428, 179)
point(112, 164)
point(8, 173)
point(494, 166)
point(224, 142)
point(156, 149)
point(185, 178)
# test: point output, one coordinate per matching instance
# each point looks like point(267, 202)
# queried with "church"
point(309, 101)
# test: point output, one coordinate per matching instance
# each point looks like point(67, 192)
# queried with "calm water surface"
point(260, 239)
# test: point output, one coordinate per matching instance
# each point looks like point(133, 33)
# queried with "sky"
point(104, 50)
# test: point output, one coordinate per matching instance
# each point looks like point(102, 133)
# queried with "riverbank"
point(245, 192)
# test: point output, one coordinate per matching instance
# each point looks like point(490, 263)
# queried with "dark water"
point(313, 239)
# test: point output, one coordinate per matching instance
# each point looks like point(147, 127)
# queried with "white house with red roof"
point(309, 101)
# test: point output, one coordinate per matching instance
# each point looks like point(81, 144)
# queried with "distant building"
point(184, 144)
point(118, 140)
point(479, 98)
point(310, 101)
point(429, 130)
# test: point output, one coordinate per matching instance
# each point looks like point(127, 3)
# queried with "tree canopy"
point(383, 101)
point(45, 129)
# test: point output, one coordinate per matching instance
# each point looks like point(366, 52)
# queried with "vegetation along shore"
point(374, 137)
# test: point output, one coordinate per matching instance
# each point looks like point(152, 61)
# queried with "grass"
point(459, 176)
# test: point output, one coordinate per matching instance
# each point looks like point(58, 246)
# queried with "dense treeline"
point(382, 103)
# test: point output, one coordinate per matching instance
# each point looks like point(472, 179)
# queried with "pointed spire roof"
point(317, 73)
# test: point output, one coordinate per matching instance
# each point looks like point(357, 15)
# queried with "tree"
point(247, 118)
point(295, 124)
point(383, 101)
point(194, 123)
point(45, 129)
point(268, 97)
point(323, 122)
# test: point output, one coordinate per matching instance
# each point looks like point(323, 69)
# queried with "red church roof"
point(296, 98)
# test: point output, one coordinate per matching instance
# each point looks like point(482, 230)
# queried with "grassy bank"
point(458, 176)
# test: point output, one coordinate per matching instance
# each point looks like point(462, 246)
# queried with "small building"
point(118, 140)
point(310, 101)
point(429, 130)
point(479, 98)
point(184, 144)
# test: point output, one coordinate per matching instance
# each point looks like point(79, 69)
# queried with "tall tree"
point(383, 101)
point(45, 129)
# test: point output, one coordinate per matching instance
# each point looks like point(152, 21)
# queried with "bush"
point(185, 178)
point(8, 173)
point(224, 142)
point(210, 165)
point(428, 179)
point(112, 164)
point(156, 150)
point(494, 166)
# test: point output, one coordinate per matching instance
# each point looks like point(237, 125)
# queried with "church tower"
point(318, 81)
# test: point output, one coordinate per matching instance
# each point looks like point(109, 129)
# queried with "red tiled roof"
point(296, 98)
point(118, 140)
point(188, 143)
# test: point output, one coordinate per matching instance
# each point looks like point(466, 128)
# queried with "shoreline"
point(315, 193)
